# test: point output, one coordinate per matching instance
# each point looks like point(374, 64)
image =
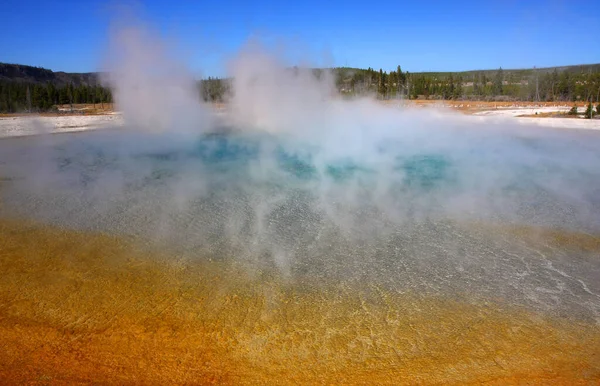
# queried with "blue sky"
point(418, 35)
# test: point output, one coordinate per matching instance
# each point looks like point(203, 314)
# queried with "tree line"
point(17, 97)
point(534, 85)
point(509, 85)
point(574, 83)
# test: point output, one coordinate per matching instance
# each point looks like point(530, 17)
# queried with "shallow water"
point(395, 257)
point(77, 307)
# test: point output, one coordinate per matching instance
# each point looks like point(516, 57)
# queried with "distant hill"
point(514, 73)
point(30, 74)
point(522, 73)
point(561, 83)
point(34, 89)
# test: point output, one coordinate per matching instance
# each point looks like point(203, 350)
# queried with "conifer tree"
point(589, 112)
point(380, 89)
point(498, 82)
point(28, 100)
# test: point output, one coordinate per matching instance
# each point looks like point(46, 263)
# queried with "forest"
point(18, 97)
point(34, 89)
point(573, 83)
point(567, 84)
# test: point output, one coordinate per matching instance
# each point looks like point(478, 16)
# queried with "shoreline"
point(547, 115)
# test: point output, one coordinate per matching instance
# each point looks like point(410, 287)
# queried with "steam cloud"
point(318, 187)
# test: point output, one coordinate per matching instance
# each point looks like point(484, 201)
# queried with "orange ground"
point(78, 109)
point(81, 308)
point(468, 107)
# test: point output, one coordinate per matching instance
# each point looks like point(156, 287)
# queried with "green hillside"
point(34, 89)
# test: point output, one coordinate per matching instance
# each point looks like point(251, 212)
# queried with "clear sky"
point(418, 35)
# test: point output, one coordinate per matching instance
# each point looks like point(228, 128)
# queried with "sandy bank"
point(13, 126)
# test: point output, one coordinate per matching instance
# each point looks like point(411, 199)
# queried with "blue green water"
point(403, 213)
point(226, 153)
point(550, 181)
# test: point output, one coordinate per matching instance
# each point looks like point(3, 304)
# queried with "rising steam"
point(154, 91)
point(315, 186)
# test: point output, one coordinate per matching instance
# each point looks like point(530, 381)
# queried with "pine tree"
point(28, 100)
point(37, 98)
point(553, 84)
point(99, 97)
point(498, 82)
point(589, 112)
point(381, 89)
point(391, 80)
point(50, 95)
point(9, 101)
point(69, 93)
point(401, 79)
point(458, 89)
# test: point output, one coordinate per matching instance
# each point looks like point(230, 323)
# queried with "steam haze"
point(291, 178)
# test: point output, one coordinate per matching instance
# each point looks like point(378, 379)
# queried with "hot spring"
point(382, 257)
point(296, 238)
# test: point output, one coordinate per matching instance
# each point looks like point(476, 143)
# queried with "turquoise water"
point(544, 181)
point(402, 213)
point(227, 154)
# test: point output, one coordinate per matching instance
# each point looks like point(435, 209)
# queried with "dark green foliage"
point(589, 112)
point(556, 84)
point(26, 88)
point(573, 110)
point(17, 97)
point(36, 89)
point(401, 80)
point(498, 82)
point(382, 89)
point(214, 89)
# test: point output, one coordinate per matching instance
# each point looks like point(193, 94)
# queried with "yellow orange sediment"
point(79, 308)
